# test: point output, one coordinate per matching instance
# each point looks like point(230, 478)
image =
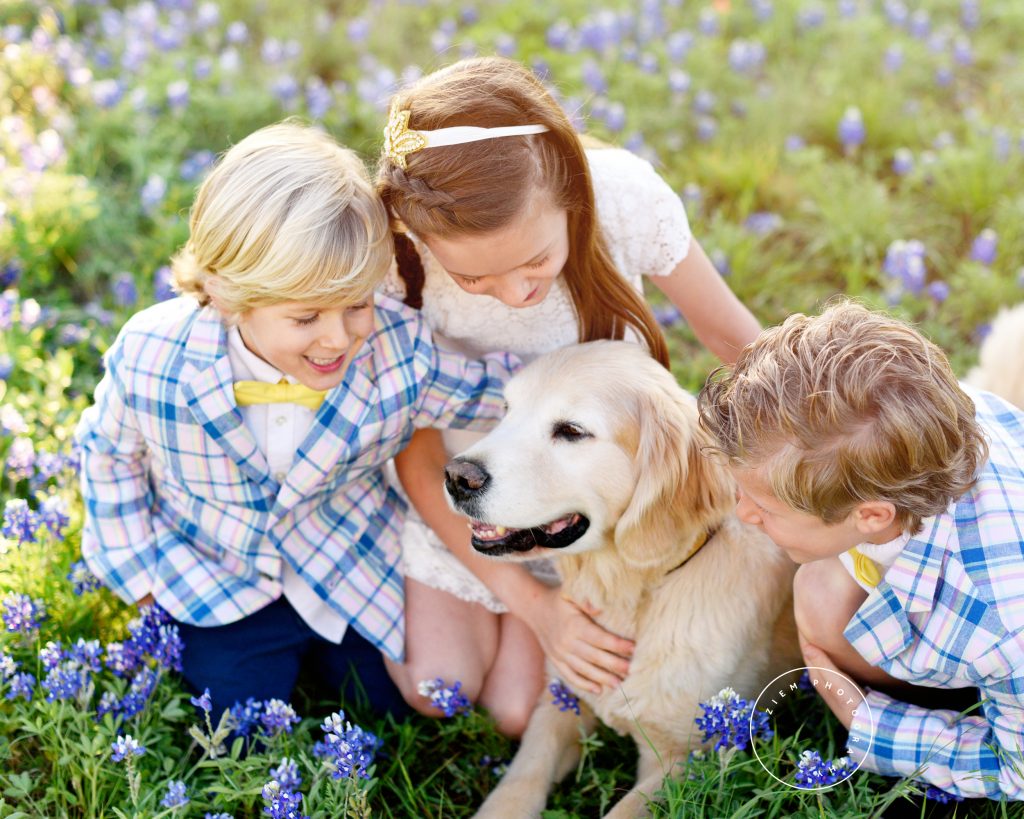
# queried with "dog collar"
point(699, 544)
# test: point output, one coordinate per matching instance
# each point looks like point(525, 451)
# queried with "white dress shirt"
point(279, 430)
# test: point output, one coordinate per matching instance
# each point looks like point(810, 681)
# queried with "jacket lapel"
point(207, 385)
point(334, 435)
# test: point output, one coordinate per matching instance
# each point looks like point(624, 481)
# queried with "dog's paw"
point(514, 800)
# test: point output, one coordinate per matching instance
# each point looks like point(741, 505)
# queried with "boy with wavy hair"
point(901, 494)
point(232, 462)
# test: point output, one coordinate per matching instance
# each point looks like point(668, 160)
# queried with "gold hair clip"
point(399, 140)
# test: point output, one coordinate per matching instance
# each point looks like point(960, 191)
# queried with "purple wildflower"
point(162, 289)
point(125, 747)
point(353, 748)
point(175, 796)
point(10, 273)
point(22, 685)
point(177, 95)
point(82, 580)
point(8, 666)
point(53, 515)
point(22, 614)
point(814, 772)
point(851, 129)
point(563, 697)
point(124, 291)
point(203, 701)
point(65, 681)
point(287, 774)
point(939, 291)
point(280, 803)
point(941, 796)
point(6, 366)
point(21, 457)
point(761, 223)
point(278, 716)
point(733, 719)
point(448, 699)
point(51, 654)
point(905, 261)
point(985, 247)
point(20, 522)
point(153, 193)
point(246, 717)
point(902, 161)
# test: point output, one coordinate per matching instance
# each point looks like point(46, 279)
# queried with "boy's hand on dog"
point(585, 655)
point(148, 600)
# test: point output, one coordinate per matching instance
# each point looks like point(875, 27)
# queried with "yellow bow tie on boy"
point(248, 393)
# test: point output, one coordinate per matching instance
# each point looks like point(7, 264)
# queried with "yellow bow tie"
point(248, 393)
point(865, 568)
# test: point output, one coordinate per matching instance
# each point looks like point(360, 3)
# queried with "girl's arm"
point(718, 319)
point(585, 655)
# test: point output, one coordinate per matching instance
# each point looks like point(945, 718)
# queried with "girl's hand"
point(585, 655)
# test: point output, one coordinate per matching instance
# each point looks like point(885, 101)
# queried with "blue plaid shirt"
point(180, 502)
point(950, 614)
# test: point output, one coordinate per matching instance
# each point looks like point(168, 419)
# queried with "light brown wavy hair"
point(479, 187)
point(847, 407)
point(287, 214)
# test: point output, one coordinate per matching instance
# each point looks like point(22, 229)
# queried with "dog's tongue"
point(557, 526)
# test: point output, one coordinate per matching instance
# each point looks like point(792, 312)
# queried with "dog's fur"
point(632, 461)
point(1001, 361)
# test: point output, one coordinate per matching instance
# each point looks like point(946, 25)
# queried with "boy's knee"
point(825, 597)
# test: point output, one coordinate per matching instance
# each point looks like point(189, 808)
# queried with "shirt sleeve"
point(979, 754)
point(118, 541)
point(456, 392)
point(642, 218)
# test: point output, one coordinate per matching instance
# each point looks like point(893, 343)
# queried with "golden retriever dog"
point(1000, 366)
point(600, 463)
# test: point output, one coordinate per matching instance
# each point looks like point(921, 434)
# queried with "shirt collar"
point(257, 369)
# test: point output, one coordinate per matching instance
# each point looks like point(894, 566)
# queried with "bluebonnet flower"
point(707, 128)
point(11, 422)
point(667, 315)
point(939, 291)
point(203, 701)
point(21, 457)
point(142, 685)
point(943, 76)
point(8, 665)
point(679, 81)
point(51, 654)
point(108, 704)
point(286, 88)
point(20, 522)
point(794, 142)
point(237, 32)
point(678, 44)
point(153, 193)
point(810, 17)
point(985, 246)
point(615, 117)
point(919, 24)
point(704, 101)
point(175, 796)
point(87, 654)
point(22, 614)
point(246, 717)
point(761, 223)
point(319, 98)
point(122, 286)
point(904, 261)
point(22, 685)
point(107, 93)
point(851, 128)
point(707, 23)
point(162, 289)
point(218, 816)
point(902, 161)
point(169, 648)
point(941, 796)
point(505, 45)
point(82, 580)
point(962, 52)
point(720, 261)
point(733, 719)
point(31, 313)
point(207, 16)
point(120, 659)
point(65, 681)
point(280, 803)
point(10, 273)
point(1020, 277)
point(894, 58)
point(278, 716)
point(6, 366)
point(943, 140)
point(448, 699)
point(814, 772)
point(593, 77)
point(563, 697)
point(351, 747)
point(287, 774)
point(53, 511)
point(970, 13)
point(125, 747)
point(746, 56)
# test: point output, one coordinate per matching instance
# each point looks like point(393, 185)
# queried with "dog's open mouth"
point(502, 540)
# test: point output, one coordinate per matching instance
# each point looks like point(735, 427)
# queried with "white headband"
point(400, 140)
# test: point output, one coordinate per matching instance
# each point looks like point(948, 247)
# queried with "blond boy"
point(902, 497)
point(232, 463)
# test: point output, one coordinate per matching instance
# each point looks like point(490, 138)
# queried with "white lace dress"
point(647, 233)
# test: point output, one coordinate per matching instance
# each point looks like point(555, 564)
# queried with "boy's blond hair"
point(846, 407)
point(286, 215)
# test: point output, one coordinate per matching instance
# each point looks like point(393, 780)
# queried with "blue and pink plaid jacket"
point(950, 614)
point(180, 502)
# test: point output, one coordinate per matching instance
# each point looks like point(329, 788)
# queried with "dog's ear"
point(680, 491)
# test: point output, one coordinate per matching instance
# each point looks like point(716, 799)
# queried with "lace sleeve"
point(643, 219)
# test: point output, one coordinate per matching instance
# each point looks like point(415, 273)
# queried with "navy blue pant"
point(260, 655)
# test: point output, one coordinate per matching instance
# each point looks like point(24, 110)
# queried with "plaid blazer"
point(950, 614)
point(180, 502)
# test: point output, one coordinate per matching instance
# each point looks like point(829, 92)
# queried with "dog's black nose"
point(465, 479)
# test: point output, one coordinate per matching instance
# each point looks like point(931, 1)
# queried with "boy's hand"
point(148, 600)
point(823, 666)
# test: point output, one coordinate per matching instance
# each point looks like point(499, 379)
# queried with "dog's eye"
point(568, 431)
